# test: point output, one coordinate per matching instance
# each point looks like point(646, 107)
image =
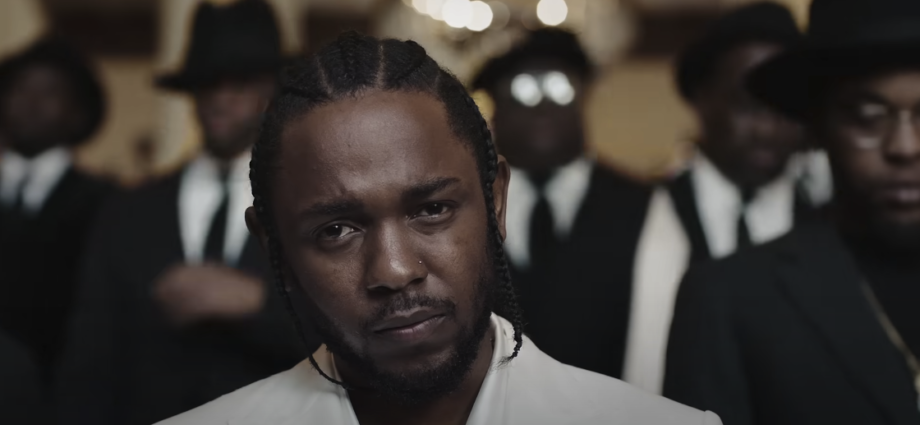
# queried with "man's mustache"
point(407, 302)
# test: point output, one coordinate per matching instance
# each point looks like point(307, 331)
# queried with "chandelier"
point(462, 34)
point(479, 16)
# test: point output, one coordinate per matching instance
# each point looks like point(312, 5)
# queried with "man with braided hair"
point(381, 202)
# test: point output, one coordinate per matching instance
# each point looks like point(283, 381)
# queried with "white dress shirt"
point(533, 389)
point(35, 177)
point(769, 215)
point(200, 191)
point(565, 192)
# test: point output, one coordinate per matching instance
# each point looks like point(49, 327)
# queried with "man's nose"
point(393, 263)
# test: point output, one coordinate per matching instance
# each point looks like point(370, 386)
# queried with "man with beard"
point(175, 308)
point(381, 202)
point(822, 325)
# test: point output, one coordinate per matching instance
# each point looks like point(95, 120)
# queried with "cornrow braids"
point(350, 65)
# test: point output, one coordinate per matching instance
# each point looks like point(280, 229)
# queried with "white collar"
point(565, 192)
point(718, 201)
point(199, 197)
point(37, 177)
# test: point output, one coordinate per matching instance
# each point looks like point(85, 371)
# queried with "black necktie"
point(743, 233)
point(214, 244)
point(543, 242)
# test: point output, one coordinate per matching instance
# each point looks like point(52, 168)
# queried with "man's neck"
point(454, 409)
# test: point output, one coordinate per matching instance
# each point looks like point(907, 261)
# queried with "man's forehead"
point(376, 116)
point(370, 140)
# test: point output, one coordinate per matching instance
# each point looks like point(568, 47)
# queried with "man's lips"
point(901, 195)
point(407, 320)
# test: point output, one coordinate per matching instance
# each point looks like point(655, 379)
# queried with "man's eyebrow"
point(428, 188)
point(336, 207)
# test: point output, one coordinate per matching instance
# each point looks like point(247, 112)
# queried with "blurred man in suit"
point(50, 103)
point(572, 221)
point(740, 189)
point(177, 308)
point(821, 326)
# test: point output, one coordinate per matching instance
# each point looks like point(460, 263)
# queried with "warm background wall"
point(635, 118)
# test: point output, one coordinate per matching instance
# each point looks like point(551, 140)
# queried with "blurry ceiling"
point(122, 6)
point(664, 25)
point(367, 6)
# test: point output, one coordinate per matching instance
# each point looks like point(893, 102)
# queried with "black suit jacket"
point(782, 334)
point(126, 364)
point(39, 257)
point(578, 312)
point(20, 400)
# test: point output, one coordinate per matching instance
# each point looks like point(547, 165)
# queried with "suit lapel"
point(821, 279)
point(59, 197)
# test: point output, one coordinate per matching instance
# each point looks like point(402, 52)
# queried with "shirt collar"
point(718, 201)
point(199, 197)
point(36, 176)
point(565, 191)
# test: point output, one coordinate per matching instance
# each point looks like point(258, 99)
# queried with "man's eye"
point(337, 231)
point(432, 210)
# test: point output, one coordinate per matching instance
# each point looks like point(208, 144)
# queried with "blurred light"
point(552, 12)
point(500, 14)
point(524, 89)
point(482, 16)
point(457, 13)
point(557, 87)
point(434, 8)
point(485, 103)
point(421, 6)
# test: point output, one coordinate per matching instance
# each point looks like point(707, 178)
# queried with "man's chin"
point(414, 365)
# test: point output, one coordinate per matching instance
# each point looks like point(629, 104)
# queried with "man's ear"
point(500, 193)
point(256, 229)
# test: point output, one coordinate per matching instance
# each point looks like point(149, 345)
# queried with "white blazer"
point(532, 389)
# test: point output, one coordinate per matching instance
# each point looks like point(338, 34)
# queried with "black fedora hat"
point(762, 21)
point(56, 53)
point(545, 43)
point(844, 38)
point(239, 39)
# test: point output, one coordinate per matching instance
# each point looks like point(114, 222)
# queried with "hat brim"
point(792, 82)
point(187, 80)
